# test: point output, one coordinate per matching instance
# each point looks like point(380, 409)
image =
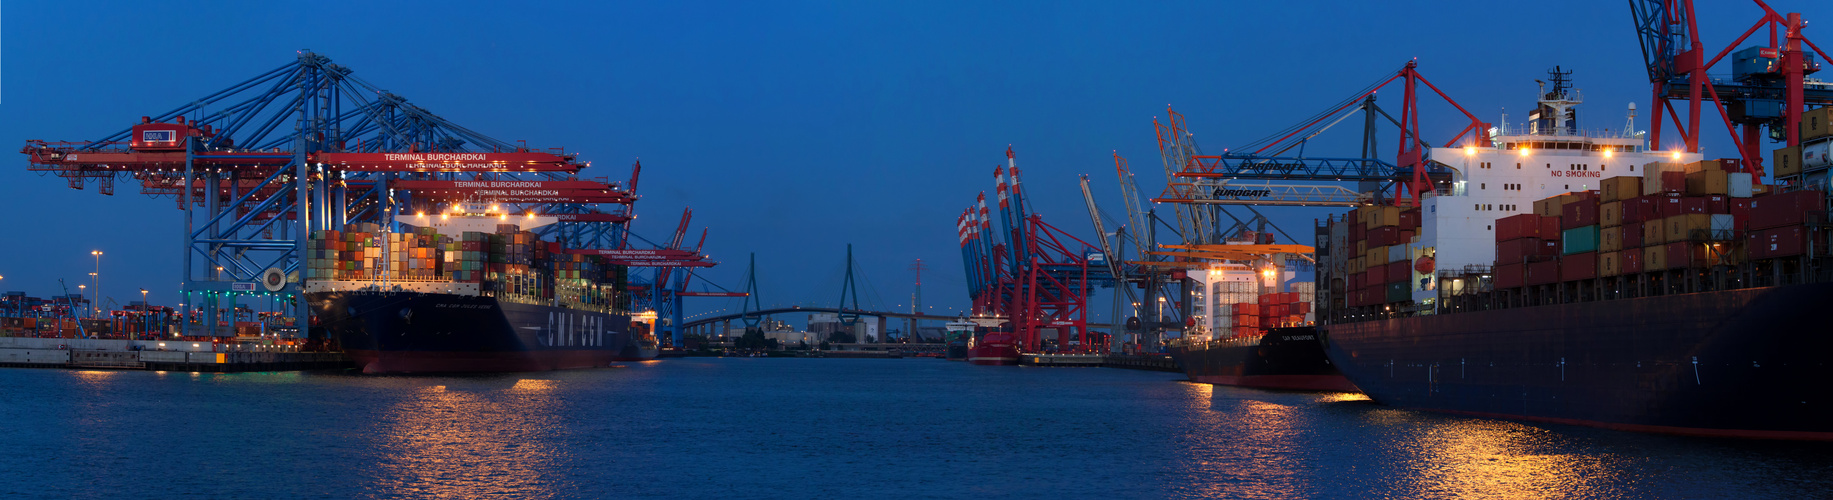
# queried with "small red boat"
point(995, 349)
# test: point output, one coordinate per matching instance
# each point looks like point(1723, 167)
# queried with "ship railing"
point(1536, 131)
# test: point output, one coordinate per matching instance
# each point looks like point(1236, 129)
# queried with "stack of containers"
point(1278, 310)
point(322, 259)
point(1232, 300)
point(1616, 204)
point(1816, 150)
point(1579, 234)
point(1778, 224)
point(1355, 250)
point(1383, 234)
point(468, 256)
point(1519, 240)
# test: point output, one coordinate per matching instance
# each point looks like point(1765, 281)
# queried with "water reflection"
point(467, 439)
point(1481, 458)
point(1244, 443)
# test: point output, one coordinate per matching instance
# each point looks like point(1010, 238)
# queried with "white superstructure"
point(1547, 156)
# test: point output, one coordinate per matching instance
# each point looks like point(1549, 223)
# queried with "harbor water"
point(820, 428)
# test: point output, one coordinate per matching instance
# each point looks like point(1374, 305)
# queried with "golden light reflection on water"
point(1241, 445)
point(1339, 397)
point(1482, 458)
point(465, 442)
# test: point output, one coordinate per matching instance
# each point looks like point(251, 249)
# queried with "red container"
point(1740, 213)
point(471, 246)
point(1247, 309)
point(1631, 261)
point(1301, 307)
point(1518, 226)
point(1510, 275)
point(1666, 206)
point(1692, 205)
point(1406, 235)
point(1549, 228)
point(1635, 209)
point(1578, 266)
point(1399, 272)
point(1515, 251)
point(1632, 236)
point(1357, 232)
point(1786, 241)
point(1543, 272)
point(1579, 214)
point(1718, 204)
point(1784, 209)
point(1355, 281)
point(1682, 254)
point(1383, 236)
point(1409, 218)
point(1673, 181)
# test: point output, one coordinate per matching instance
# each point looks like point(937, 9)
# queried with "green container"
point(1578, 240)
point(1399, 292)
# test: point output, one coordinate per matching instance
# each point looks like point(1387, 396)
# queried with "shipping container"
point(1631, 260)
point(1654, 258)
point(1543, 272)
point(1739, 185)
point(1376, 256)
point(1549, 228)
point(1688, 227)
point(1579, 213)
point(1381, 216)
point(1814, 123)
point(1518, 226)
point(1579, 240)
point(1384, 236)
point(1610, 263)
point(1723, 227)
point(1785, 209)
point(1610, 214)
point(1620, 188)
point(1399, 292)
point(1610, 239)
point(1685, 254)
point(1654, 232)
point(1786, 241)
point(1787, 161)
point(1510, 275)
point(1399, 272)
point(1581, 266)
point(1632, 235)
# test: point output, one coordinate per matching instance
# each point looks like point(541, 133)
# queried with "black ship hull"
point(1743, 363)
point(1283, 358)
point(407, 332)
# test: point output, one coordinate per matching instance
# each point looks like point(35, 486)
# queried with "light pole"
point(82, 289)
point(98, 278)
point(145, 313)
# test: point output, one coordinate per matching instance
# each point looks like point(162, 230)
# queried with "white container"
point(1817, 155)
point(1738, 185)
point(1722, 227)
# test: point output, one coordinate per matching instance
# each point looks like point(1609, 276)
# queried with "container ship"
point(1251, 327)
point(1577, 277)
point(463, 293)
point(959, 335)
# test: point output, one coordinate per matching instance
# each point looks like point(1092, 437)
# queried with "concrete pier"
point(164, 355)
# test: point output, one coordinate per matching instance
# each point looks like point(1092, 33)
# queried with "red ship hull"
point(993, 355)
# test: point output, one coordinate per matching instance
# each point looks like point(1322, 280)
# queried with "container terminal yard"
point(328, 223)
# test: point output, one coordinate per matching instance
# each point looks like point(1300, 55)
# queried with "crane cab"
point(149, 136)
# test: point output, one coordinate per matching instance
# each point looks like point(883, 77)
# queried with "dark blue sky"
point(792, 128)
